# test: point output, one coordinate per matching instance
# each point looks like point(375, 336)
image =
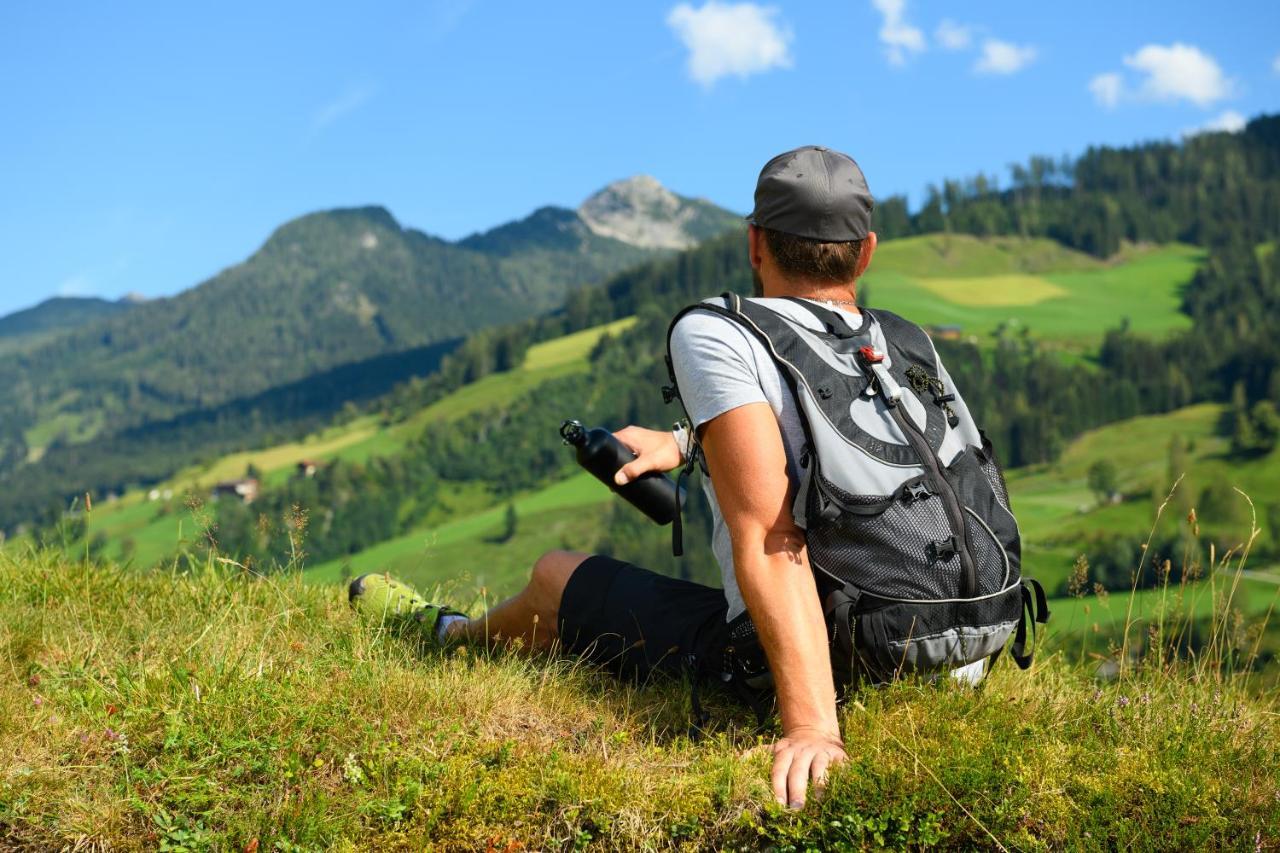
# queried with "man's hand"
point(655, 451)
point(801, 757)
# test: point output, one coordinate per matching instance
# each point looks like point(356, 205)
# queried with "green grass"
point(1063, 296)
point(219, 711)
point(465, 553)
point(1056, 510)
point(155, 529)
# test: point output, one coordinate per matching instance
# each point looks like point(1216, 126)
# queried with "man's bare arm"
point(747, 462)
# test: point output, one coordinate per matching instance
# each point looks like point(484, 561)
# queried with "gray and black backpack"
point(905, 509)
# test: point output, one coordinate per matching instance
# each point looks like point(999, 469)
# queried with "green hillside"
point(29, 326)
point(326, 289)
point(1064, 296)
point(145, 527)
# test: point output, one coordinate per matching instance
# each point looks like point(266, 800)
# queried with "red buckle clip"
point(871, 355)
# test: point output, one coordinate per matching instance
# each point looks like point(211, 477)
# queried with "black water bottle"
point(599, 452)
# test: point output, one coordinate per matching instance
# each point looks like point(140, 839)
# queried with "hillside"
point(327, 289)
point(57, 314)
point(145, 528)
point(218, 711)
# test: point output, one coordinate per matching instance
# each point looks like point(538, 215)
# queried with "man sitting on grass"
point(810, 238)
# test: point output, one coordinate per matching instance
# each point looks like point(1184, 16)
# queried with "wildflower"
point(34, 680)
point(1146, 698)
point(111, 710)
point(1097, 694)
point(112, 734)
point(37, 701)
point(1123, 701)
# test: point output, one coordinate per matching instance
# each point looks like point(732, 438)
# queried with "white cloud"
point(1107, 89)
point(953, 36)
point(351, 99)
point(1229, 121)
point(730, 39)
point(1179, 72)
point(898, 37)
point(1002, 57)
point(1275, 64)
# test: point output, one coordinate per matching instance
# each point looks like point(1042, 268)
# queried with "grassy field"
point(1062, 296)
point(468, 554)
point(1056, 510)
point(146, 531)
point(215, 711)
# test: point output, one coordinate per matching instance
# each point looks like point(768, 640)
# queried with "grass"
point(1056, 509)
point(219, 711)
point(466, 551)
point(994, 290)
point(1064, 297)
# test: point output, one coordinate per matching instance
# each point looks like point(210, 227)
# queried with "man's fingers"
point(636, 467)
point(781, 764)
point(818, 772)
point(798, 779)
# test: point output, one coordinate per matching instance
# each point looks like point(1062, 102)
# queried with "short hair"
point(803, 258)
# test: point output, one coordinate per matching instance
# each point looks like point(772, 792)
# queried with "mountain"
point(58, 314)
point(328, 289)
point(641, 212)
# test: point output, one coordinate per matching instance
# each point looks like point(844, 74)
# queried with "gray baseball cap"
point(813, 192)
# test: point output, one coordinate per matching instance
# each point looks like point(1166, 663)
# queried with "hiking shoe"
point(381, 596)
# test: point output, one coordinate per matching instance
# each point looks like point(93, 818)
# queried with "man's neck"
point(834, 295)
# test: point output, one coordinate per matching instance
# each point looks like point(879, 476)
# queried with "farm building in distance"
point(308, 467)
point(246, 489)
point(946, 332)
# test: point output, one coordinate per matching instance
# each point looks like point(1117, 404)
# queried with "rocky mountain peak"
point(642, 212)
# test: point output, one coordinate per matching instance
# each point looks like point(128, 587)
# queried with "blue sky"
point(147, 146)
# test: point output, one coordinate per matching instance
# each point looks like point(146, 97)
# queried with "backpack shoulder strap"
point(905, 336)
point(835, 324)
point(672, 391)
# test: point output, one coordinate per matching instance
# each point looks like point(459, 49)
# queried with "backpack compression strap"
point(1035, 610)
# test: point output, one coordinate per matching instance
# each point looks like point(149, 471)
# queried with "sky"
point(146, 146)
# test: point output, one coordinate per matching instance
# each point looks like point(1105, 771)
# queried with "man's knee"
point(551, 572)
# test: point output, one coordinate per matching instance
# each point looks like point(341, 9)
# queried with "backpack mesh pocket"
point(994, 474)
point(990, 560)
point(891, 553)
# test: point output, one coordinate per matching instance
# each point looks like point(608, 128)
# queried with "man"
point(810, 238)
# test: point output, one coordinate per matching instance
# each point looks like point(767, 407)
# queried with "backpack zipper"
point(969, 576)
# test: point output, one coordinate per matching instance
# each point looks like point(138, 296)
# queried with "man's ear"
point(869, 244)
point(755, 246)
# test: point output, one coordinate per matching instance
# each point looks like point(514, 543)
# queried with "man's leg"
point(531, 615)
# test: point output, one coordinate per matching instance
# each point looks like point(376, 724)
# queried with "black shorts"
point(635, 622)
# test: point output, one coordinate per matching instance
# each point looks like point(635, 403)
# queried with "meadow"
point(1060, 296)
point(217, 710)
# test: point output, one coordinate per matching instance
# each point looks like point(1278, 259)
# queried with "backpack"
point(906, 513)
